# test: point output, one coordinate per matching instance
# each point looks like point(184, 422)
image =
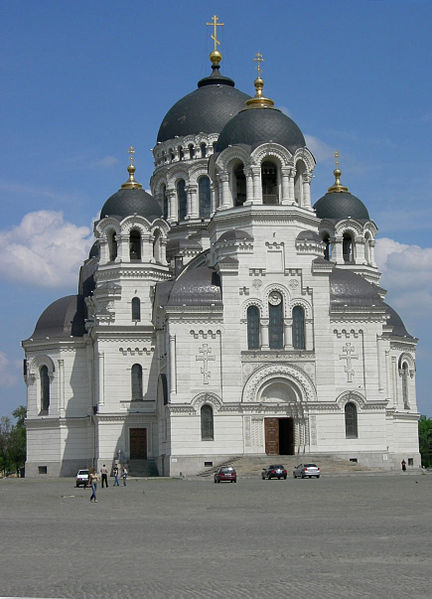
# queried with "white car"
point(82, 478)
point(306, 471)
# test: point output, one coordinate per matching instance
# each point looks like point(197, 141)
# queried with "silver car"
point(306, 471)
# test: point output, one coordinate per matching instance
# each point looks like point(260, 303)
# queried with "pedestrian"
point(115, 473)
point(124, 475)
point(104, 472)
point(93, 479)
point(403, 464)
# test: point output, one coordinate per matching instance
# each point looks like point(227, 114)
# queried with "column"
point(264, 322)
point(291, 186)
point(337, 251)
point(285, 190)
point(308, 334)
point(212, 198)
point(257, 187)
point(172, 205)
point(249, 187)
point(226, 199)
point(101, 398)
point(61, 388)
point(192, 192)
point(172, 364)
point(288, 334)
point(123, 248)
point(306, 191)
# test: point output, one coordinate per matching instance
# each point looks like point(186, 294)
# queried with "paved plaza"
point(341, 536)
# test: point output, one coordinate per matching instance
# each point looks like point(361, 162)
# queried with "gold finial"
point(337, 187)
point(215, 55)
point(131, 183)
point(259, 101)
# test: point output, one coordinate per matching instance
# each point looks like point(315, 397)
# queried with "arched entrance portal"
point(287, 428)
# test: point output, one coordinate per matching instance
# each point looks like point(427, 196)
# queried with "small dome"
point(350, 289)
point(94, 250)
point(126, 202)
point(341, 204)
point(196, 285)
point(395, 321)
point(205, 110)
point(63, 318)
point(255, 126)
point(308, 235)
point(235, 235)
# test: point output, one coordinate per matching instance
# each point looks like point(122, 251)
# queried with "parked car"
point(306, 470)
point(226, 473)
point(82, 478)
point(274, 471)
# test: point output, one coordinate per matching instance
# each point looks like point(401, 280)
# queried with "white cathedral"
point(223, 315)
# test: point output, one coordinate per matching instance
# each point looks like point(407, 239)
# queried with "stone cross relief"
point(348, 355)
point(205, 356)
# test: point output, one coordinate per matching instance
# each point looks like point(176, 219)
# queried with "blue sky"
point(81, 81)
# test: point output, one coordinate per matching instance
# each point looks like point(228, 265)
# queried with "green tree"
point(13, 442)
point(5, 430)
point(425, 440)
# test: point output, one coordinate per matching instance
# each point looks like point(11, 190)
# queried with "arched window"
point(203, 150)
point(164, 201)
point(136, 308)
point(157, 246)
point(44, 389)
point(239, 185)
point(327, 249)
point(275, 320)
point(347, 248)
point(137, 382)
point(204, 197)
point(135, 245)
point(182, 199)
point(298, 328)
point(405, 375)
point(269, 182)
point(180, 153)
point(112, 244)
point(253, 327)
point(207, 432)
point(171, 154)
point(351, 421)
point(191, 151)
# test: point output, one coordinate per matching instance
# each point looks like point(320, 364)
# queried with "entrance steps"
point(252, 465)
point(142, 468)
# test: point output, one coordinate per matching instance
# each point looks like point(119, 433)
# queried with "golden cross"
point(336, 155)
point(131, 153)
point(215, 26)
point(259, 59)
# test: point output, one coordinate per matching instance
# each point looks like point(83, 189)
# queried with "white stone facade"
point(258, 355)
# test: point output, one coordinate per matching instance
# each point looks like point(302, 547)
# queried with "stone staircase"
point(252, 466)
point(142, 468)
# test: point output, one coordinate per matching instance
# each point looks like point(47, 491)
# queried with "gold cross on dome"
point(258, 59)
point(131, 153)
point(215, 25)
point(336, 156)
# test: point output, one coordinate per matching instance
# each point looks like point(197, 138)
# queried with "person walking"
point(124, 475)
point(93, 480)
point(104, 472)
point(403, 464)
point(115, 474)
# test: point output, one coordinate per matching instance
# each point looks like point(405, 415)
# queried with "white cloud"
point(106, 162)
point(319, 148)
point(43, 250)
point(8, 371)
point(407, 272)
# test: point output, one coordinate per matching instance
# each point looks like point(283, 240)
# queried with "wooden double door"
point(279, 436)
point(138, 443)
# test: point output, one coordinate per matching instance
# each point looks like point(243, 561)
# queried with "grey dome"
point(94, 250)
point(395, 321)
point(63, 318)
point(341, 204)
point(235, 235)
point(308, 235)
point(255, 126)
point(205, 110)
point(350, 289)
point(126, 202)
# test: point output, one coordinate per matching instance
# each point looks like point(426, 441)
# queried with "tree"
point(5, 429)
point(13, 442)
point(425, 440)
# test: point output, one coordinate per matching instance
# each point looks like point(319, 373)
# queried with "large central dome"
point(205, 110)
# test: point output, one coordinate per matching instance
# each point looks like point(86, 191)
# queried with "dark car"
point(226, 473)
point(82, 478)
point(274, 471)
point(306, 471)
